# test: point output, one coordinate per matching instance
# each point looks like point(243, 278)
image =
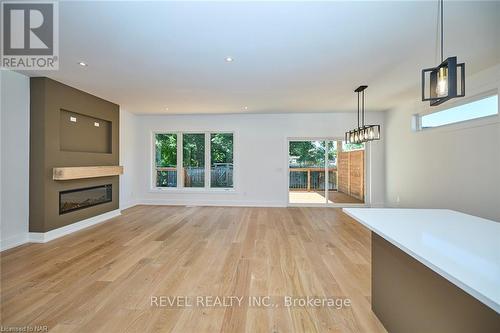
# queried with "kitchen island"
point(433, 270)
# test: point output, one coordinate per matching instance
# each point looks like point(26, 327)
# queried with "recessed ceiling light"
point(229, 59)
point(245, 107)
point(83, 64)
point(166, 109)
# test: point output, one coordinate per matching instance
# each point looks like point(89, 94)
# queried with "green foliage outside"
point(166, 150)
point(193, 146)
point(221, 148)
point(312, 153)
point(352, 146)
point(193, 149)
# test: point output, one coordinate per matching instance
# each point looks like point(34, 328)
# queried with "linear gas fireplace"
point(84, 197)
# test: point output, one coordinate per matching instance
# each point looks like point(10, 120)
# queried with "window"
point(478, 109)
point(182, 160)
point(221, 160)
point(194, 159)
point(166, 160)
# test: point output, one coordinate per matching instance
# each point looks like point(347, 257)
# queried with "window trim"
point(180, 160)
point(475, 122)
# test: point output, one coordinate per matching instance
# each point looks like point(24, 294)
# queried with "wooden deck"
point(305, 197)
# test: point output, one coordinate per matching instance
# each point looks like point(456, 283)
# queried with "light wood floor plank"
point(102, 279)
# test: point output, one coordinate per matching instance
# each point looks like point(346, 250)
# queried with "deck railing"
point(221, 175)
point(312, 179)
point(166, 177)
point(308, 179)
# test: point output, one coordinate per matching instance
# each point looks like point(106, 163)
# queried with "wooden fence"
point(351, 178)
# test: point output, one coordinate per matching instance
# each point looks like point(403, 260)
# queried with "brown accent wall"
point(54, 144)
point(409, 297)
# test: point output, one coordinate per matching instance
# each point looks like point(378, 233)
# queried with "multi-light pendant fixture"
point(363, 133)
point(447, 80)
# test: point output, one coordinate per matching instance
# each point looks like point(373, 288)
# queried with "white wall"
point(457, 167)
point(127, 158)
point(15, 108)
point(260, 154)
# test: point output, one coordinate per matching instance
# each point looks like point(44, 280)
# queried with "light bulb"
point(442, 82)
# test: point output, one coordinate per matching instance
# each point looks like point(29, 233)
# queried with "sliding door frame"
point(367, 181)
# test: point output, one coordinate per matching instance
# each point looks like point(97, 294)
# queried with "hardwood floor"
point(105, 278)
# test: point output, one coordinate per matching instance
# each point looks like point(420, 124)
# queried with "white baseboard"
point(230, 203)
point(43, 237)
point(13, 241)
point(128, 205)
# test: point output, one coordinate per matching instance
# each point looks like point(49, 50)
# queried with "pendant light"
point(363, 133)
point(447, 80)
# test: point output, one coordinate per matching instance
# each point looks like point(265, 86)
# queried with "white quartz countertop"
point(462, 248)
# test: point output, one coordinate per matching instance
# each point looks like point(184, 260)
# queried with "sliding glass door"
point(306, 171)
point(325, 172)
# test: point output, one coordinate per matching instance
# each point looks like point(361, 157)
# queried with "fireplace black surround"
point(81, 198)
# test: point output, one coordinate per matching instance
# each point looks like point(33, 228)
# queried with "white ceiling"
point(288, 56)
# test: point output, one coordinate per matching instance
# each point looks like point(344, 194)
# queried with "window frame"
point(474, 122)
point(180, 159)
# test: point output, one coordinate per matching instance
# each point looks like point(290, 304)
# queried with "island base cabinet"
point(407, 297)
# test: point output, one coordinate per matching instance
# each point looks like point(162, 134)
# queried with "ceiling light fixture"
point(363, 133)
point(245, 107)
point(447, 80)
point(229, 59)
point(83, 64)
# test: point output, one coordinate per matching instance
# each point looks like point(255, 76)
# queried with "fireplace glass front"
point(84, 197)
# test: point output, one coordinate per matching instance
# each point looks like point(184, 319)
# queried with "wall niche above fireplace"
point(81, 133)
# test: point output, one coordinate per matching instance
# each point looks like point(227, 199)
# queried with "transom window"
point(182, 160)
point(481, 108)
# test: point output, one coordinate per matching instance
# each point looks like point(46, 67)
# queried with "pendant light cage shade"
point(372, 132)
point(362, 133)
point(444, 82)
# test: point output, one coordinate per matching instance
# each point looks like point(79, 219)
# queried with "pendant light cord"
point(442, 30)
